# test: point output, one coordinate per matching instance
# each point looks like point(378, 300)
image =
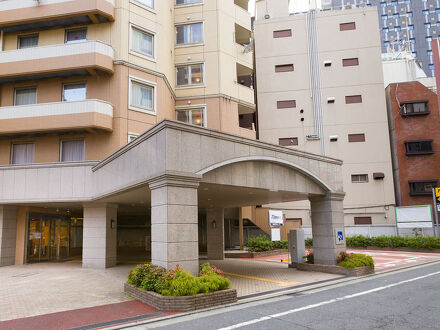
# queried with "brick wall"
point(421, 127)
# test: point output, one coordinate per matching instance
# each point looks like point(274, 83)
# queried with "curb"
point(281, 292)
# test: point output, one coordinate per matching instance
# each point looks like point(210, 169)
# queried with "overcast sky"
point(297, 5)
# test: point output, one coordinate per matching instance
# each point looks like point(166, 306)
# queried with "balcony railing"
point(22, 15)
point(88, 55)
point(58, 116)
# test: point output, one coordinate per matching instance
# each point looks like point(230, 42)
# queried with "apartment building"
point(80, 79)
point(320, 89)
point(404, 25)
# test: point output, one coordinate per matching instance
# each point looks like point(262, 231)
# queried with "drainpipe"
point(1, 41)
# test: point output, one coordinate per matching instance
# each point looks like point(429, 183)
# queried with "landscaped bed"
point(177, 289)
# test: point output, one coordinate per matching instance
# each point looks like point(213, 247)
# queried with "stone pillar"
point(215, 225)
point(8, 234)
point(174, 221)
point(327, 220)
point(100, 236)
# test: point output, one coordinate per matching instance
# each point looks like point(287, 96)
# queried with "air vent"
point(267, 16)
point(378, 176)
point(312, 137)
point(331, 99)
point(327, 63)
point(333, 138)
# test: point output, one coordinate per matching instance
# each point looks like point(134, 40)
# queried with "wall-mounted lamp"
point(214, 224)
point(112, 224)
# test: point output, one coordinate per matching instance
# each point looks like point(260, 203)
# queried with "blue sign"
point(339, 236)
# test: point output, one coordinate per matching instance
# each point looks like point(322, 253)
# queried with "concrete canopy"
point(183, 167)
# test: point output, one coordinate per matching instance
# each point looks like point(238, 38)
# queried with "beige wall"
point(375, 198)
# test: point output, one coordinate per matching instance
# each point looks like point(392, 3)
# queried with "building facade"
point(405, 25)
point(320, 89)
point(414, 118)
point(80, 79)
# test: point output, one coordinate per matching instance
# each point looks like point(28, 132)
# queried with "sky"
point(297, 5)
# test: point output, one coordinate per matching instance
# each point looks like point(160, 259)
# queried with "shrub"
point(310, 258)
point(417, 242)
point(178, 282)
point(354, 260)
point(259, 244)
point(309, 242)
point(281, 245)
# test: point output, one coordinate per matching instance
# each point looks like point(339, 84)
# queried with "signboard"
point(37, 235)
point(437, 193)
point(419, 216)
point(339, 235)
point(275, 234)
point(438, 207)
point(275, 218)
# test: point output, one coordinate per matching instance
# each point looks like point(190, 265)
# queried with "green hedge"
point(354, 260)
point(428, 242)
point(263, 243)
point(178, 282)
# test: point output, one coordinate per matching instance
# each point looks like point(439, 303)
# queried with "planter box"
point(248, 254)
point(360, 271)
point(402, 249)
point(181, 304)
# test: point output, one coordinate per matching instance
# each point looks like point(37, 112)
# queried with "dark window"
point(419, 147)
point(286, 104)
point(415, 108)
point(282, 33)
point(362, 221)
point(28, 41)
point(359, 178)
point(350, 61)
point(292, 141)
point(421, 187)
point(347, 26)
point(353, 99)
point(247, 120)
point(356, 137)
point(284, 68)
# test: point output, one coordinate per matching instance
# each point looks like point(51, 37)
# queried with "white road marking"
point(331, 301)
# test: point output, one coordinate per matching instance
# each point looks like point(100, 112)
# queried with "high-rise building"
point(320, 89)
point(405, 25)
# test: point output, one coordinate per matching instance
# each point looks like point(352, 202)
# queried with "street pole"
point(436, 224)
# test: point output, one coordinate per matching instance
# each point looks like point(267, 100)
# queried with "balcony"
point(243, 40)
point(90, 57)
point(55, 117)
point(242, 16)
point(24, 15)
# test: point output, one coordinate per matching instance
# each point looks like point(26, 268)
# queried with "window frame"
point(421, 152)
point(22, 88)
point(293, 138)
point(68, 140)
point(146, 7)
point(75, 29)
point(190, 108)
point(405, 114)
point(189, 44)
point(148, 83)
point(12, 152)
point(130, 135)
point(72, 83)
point(411, 190)
point(285, 66)
point(352, 97)
point(354, 59)
point(350, 137)
point(359, 175)
point(190, 64)
point(279, 33)
point(135, 52)
point(188, 4)
point(346, 24)
point(28, 35)
point(362, 218)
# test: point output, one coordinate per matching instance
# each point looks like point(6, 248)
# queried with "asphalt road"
point(407, 299)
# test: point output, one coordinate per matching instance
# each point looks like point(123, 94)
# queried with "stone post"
point(8, 234)
point(327, 220)
point(215, 233)
point(174, 221)
point(100, 236)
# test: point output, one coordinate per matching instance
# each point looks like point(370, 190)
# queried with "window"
point(22, 153)
point(27, 41)
point(194, 116)
point(189, 34)
point(359, 178)
point(350, 62)
point(189, 75)
point(146, 3)
point(141, 96)
point(422, 187)
point(284, 68)
point(24, 96)
point(415, 108)
point(286, 104)
point(142, 42)
point(282, 33)
point(187, 2)
point(74, 92)
point(292, 141)
point(419, 147)
point(76, 35)
point(363, 221)
point(347, 26)
point(356, 137)
point(132, 136)
point(72, 151)
point(353, 99)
